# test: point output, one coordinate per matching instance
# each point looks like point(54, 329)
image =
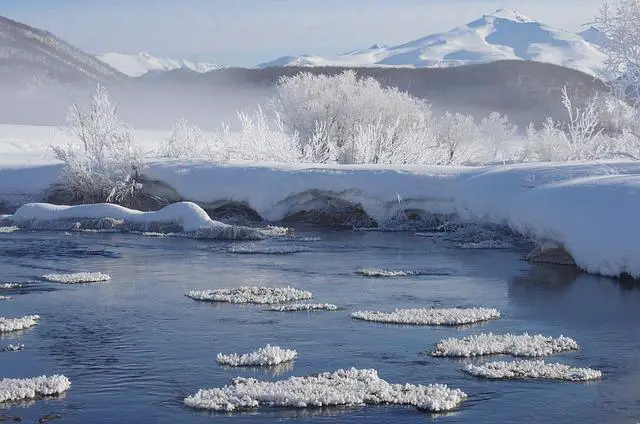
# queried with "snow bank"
point(265, 356)
point(78, 277)
point(533, 370)
point(295, 307)
point(187, 215)
point(8, 325)
point(246, 294)
point(267, 250)
point(516, 345)
point(442, 316)
point(12, 389)
point(340, 388)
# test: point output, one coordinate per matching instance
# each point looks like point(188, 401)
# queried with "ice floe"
point(5, 297)
point(246, 294)
point(295, 307)
point(432, 316)
point(9, 229)
point(265, 356)
point(8, 325)
point(339, 388)
point(388, 273)
point(7, 286)
point(13, 348)
point(516, 345)
point(12, 389)
point(78, 277)
point(267, 250)
point(532, 370)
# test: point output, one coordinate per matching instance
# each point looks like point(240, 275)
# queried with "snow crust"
point(12, 389)
point(8, 325)
point(434, 316)
point(338, 388)
point(295, 307)
point(247, 294)
point(532, 370)
point(509, 344)
point(265, 356)
point(78, 277)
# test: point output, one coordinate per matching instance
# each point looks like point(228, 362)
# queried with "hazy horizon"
point(248, 32)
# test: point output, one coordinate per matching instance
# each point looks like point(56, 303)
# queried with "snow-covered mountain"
point(502, 35)
point(137, 65)
point(31, 55)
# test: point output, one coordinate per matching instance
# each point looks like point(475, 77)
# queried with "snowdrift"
point(586, 208)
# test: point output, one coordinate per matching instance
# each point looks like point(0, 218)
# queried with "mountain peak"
point(510, 15)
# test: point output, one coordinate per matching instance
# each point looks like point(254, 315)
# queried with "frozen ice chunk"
point(10, 229)
point(8, 325)
point(31, 388)
point(246, 294)
point(78, 277)
point(516, 345)
point(339, 388)
point(532, 370)
point(295, 307)
point(13, 348)
point(265, 356)
point(433, 316)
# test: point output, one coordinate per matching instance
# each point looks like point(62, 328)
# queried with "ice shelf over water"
point(433, 316)
point(509, 344)
point(246, 294)
point(532, 370)
point(340, 388)
point(265, 356)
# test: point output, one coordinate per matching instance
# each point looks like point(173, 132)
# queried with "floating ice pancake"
point(245, 294)
point(265, 356)
point(433, 316)
point(340, 388)
point(516, 345)
point(31, 388)
point(532, 370)
point(295, 307)
point(256, 249)
point(8, 325)
point(10, 229)
point(78, 277)
point(389, 273)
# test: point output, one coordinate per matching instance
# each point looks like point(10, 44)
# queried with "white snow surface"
point(508, 344)
point(137, 65)
point(502, 35)
point(12, 389)
point(78, 277)
point(265, 356)
point(532, 370)
point(432, 316)
point(296, 307)
point(247, 294)
point(8, 325)
point(340, 388)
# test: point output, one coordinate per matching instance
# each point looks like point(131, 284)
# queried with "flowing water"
point(135, 347)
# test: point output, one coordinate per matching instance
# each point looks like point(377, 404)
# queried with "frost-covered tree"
point(456, 135)
point(187, 141)
point(102, 162)
point(620, 25)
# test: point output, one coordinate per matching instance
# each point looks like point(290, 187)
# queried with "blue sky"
point(247, 32)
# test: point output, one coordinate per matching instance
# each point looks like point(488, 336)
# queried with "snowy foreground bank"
point(589, 209)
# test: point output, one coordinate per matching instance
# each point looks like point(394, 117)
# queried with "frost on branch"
point(102, 162)
point(187, 141)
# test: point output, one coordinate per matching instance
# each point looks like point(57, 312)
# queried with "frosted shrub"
point(351, 119)
point(102, 162)
point(546, 143)
point(186, 141)
point(456, 135)
point(495, 132)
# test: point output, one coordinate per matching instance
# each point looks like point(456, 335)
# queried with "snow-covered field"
point(588, 208)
